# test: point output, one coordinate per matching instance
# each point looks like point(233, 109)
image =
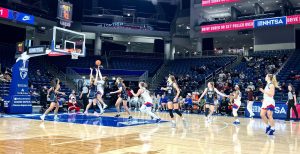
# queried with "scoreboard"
point(16, 16)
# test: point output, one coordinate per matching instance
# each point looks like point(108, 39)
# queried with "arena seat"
point(151, 65)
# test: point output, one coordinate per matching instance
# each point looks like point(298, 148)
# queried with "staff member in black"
point(291, 103)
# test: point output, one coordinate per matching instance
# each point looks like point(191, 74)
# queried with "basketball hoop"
point(74, 55)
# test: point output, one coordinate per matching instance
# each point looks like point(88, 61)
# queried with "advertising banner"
point(240, 25)
point(269, 22)
point(16, 16)
point(279, 113)
point(20, 100)
point(216, 2)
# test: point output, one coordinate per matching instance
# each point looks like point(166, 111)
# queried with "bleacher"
point(291, 65)
point(256, 69)
point(183, 67)
point(151, 65)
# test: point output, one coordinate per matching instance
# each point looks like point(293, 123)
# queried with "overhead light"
point(188, 27)
point(277, 1)
point(129, 42)
point(128, 14)
point(100, 15)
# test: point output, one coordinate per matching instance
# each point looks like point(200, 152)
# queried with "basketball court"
point(76, 133)
point(67, 58)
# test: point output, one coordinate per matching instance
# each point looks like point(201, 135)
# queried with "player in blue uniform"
point(122, 97)
point(172, 93)
point(52, 95)
point(92, 93)
point(210, 93)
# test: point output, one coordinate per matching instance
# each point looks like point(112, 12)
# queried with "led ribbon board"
point(251, 24)
point(216, 2)
point(16, 16)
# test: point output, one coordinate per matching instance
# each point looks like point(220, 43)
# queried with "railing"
point(128, 75)
point(283, 65)
point(117, 53)
point(144, 77)
point(158, 73)
point(208, 78)
point(71, 74)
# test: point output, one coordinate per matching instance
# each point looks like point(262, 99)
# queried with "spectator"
point(156, 101)
point(163, 102)
point(251, 86)
point(72, 104)
point(38, 73)
point(188, 103)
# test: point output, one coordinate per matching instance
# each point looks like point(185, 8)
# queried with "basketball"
point(98, 62)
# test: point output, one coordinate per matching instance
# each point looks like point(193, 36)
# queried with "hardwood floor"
point(21, 135)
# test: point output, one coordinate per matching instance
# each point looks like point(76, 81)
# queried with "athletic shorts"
point(209, 102)
point(236, 105)
point(123, 96)
point(171, 99)
point(268, 104)
point(148, 104)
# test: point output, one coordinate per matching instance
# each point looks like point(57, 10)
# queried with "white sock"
point(237, 120)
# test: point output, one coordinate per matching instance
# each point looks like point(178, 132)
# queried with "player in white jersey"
point(100, 90)
point(268, 103)
point(237, 95)
point(148, 101)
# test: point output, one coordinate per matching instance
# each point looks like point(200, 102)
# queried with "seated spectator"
point(163, 103)
point(38, 73)
point(188, 103)
point(251, 86)
point(181, 102)
point(156, 101)
point(72, 104)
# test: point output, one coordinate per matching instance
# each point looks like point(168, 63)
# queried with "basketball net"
point(74, 55)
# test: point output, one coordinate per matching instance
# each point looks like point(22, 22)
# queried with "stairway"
point(159, 76)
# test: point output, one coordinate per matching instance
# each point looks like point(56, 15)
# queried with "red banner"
point(294, 19)
point(216, 2)
point(3, 13)
point(228, 26)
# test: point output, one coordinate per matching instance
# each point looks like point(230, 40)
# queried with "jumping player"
point(92, 94)
point(268, 103)
point(210, 92)
point(148, 101)
point(172, 93)
point(100, 90)
point(52, 95)
point(122, 97)
point(237, 95)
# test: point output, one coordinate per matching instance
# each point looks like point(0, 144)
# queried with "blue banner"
point(269, 22)
point(20, 100)
point(279, 113)
point(21, 17)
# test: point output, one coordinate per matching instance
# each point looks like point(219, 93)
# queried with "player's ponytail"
point(273, 80)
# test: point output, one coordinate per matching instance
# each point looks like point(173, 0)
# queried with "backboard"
point(68, 42)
